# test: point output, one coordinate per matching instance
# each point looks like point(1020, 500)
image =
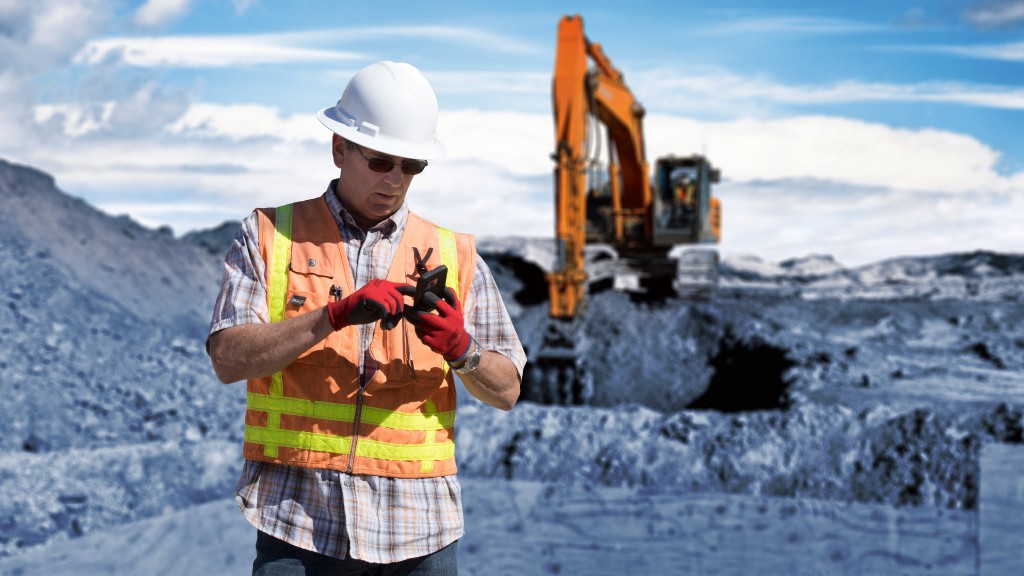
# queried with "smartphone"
point(430, 282)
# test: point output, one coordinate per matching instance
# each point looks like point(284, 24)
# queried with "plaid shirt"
point(371, 518)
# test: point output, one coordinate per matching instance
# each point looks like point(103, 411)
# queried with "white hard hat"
point(388, 107)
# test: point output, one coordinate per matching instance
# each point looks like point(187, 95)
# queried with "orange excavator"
point(648, 235)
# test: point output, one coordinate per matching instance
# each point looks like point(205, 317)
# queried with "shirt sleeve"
point(243, 290)
point(487, 319)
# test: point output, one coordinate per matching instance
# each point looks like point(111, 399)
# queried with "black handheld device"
point(430, 288)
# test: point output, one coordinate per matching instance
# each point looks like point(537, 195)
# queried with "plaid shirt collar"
point(386, 228)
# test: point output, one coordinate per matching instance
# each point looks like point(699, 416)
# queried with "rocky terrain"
point(804, 378)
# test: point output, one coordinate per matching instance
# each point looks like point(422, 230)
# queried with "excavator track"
point(696, 273)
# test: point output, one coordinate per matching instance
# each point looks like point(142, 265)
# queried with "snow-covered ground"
point(814, 419)
point(523, 527)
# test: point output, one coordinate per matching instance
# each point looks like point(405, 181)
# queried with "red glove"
point(377, 300)
point(444, 332)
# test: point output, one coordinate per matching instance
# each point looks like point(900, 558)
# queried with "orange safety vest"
point(314, 413)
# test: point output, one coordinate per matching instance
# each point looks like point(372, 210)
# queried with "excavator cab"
point(683, 203)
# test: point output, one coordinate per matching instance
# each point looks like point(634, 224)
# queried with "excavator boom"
point(581, 93)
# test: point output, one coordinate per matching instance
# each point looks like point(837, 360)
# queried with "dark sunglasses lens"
point(410, 167)
point(380, 164)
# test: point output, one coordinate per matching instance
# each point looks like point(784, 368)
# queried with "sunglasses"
point(385, 165)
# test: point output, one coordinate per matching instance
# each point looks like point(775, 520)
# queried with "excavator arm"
point(572, 109)
point(586, 86)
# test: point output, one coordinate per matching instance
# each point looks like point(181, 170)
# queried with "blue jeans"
point(278, 558)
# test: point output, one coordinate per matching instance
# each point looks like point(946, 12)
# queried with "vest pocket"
point(298, 303)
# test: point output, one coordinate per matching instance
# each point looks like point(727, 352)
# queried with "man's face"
point(370, 196)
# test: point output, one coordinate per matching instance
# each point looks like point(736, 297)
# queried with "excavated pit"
point(748, 375)
point(657, 350)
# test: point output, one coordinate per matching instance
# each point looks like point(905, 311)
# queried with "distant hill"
point(102, 324)
point(116, 259)
point(216, 240)
point(111, 408)
point(979, 275)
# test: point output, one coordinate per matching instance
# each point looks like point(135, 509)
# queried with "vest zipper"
point(355, 426)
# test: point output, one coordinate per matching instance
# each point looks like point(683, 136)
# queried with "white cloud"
point(40, 35)
point(789, 25)
point(36, 39)
point(858, 225)
point(159, 179)
point(278, 48)
point(203, 51)
point(139, 111)
point(245, 121)
point(475, 38)
point(157, 13)
point(833, 149)
point(243, 6)
point(721, 92)
point(482, 198)
point(996, 14)
point(1012, 52)
point(489, 82)
point(76, 120)
point(512, 143)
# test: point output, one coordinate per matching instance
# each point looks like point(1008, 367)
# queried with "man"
point(349, 444)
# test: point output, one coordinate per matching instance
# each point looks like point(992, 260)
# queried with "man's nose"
point(394, 176)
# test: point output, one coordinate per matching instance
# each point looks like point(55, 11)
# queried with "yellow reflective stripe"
point(281, 258)
point(277, 290)
point(300, 407)
point(299, 440)
point(449, 257)
point(273, 422)
point(430, 437)
point(385, 451)
point(431, 420)
point(365, 448)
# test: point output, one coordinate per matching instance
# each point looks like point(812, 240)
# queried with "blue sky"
point(865, 130)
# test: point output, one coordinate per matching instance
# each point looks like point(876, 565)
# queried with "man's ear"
point(338, 149)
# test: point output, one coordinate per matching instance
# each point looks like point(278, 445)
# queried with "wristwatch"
point(471, 361)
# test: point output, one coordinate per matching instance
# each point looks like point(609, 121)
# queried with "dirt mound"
point(925, 457)
point(764, 391)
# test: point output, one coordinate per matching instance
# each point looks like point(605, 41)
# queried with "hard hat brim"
point(381, 143)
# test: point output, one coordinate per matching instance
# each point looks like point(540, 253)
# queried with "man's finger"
point(444, 308)
point(449, 297)
point(395, 301)
point(375, 307)
point(431, 299)
point(426, 320)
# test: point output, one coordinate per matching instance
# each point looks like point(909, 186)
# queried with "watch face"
point(472, 361)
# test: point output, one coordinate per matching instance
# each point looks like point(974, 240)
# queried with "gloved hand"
point(377, 300)
point(444, 332)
